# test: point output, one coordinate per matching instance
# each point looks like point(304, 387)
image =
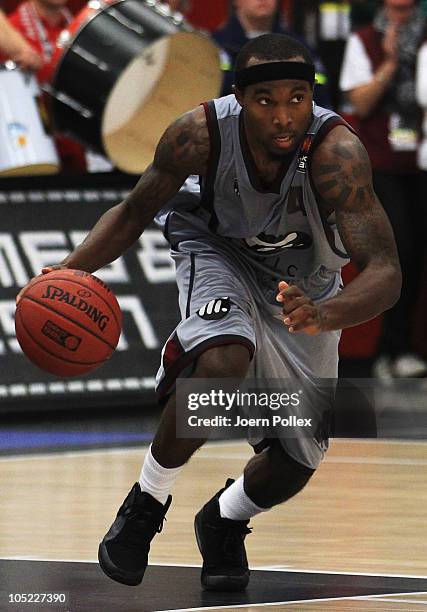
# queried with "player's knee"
point(228, 361)
point(275, 477)
point(290, 475)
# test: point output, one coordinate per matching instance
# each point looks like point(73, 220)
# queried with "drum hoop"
point(9, 66)
point(83, 19)
point(85, 16)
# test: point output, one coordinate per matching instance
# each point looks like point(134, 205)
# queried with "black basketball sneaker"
point(221, 544)
point(123, 553)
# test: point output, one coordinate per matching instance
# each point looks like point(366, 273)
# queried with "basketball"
point(68, 322)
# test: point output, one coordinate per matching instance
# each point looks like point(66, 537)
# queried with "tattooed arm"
point(182, 150)
point(341, 174)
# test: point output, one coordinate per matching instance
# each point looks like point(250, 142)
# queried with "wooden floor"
point(363, 512)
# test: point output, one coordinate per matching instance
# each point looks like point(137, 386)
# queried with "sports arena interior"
point(86, 92)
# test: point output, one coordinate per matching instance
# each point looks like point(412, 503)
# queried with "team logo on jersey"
point(265, 243)
point(302, 163)
point(303, 156)
point(215, 309)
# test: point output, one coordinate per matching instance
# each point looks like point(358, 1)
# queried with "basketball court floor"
point(354, 539)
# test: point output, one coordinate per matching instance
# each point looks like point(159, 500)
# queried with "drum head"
point(170, 77)
point(31, 170)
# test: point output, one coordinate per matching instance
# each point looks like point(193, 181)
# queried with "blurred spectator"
point(15, 47)
point(41, 22)
point(378, 75)
point(249, 19)
point(362, 12)
point(421, 92)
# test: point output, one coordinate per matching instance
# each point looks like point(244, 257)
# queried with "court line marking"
point(289, 602)
point(73, 453)
point(314, 571)
point(131, 449)
point(118, 450)
point(336, 459)
point(268, 568)
point(222, 456)
point(392, 599)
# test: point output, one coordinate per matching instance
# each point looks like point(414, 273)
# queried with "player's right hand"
point(300, 313)
point(45, 270)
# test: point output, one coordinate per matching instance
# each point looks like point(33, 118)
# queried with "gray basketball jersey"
point(280, 234)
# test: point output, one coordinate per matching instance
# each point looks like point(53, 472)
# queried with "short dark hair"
point(272, 47)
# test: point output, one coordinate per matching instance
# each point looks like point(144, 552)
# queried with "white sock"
point(157, 480)
point(234, 504)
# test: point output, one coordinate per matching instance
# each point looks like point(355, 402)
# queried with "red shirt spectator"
point(13, 45)
point(41, 22)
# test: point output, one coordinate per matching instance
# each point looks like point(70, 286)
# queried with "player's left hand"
point(300, 313)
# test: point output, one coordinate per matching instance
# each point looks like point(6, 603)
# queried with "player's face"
point(277, 114)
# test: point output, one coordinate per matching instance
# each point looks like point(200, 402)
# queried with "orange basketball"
point(68, 322)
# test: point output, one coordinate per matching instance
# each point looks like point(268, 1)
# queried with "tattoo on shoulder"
point(184, 147)
point(342, 172)
point(342, 175)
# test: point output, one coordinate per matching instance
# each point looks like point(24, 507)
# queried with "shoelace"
point(160, 527)
point(138, 519)
point(233, 539)
point(137, 527)
point(141, 515)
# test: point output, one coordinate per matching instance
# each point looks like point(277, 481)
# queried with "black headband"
point(274, 71)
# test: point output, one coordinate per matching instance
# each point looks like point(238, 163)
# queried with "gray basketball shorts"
point(221, 305)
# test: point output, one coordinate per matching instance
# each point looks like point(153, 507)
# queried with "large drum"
point(25, 147)
point(122, 71)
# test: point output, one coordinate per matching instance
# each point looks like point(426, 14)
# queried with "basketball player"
point(262, 195)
